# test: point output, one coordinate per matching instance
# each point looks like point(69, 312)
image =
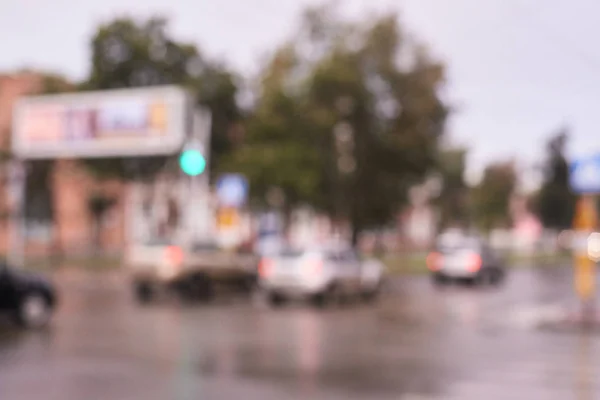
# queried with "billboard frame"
point(179, 106)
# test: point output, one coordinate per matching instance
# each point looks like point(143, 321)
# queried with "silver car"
point(319, 275)
point(193, 272)
point(468, 259)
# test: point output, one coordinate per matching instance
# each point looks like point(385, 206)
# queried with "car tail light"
point(474, 262)
point(265, 267)
point(174, 255)
point(434, 261)
point(315, 267)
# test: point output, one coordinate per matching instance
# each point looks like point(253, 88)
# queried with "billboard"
point(112, 123)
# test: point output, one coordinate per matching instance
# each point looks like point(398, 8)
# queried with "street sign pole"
point(584, 180)
point(585, 223)
point(231, 191)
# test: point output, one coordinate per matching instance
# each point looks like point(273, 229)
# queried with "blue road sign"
point(232, 190)
point(584, 176)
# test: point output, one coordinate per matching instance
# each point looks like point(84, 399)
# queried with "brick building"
point(71, 226)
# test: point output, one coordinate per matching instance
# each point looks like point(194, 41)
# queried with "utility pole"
point(584, 180)
point(194, 162)
point(585, 223)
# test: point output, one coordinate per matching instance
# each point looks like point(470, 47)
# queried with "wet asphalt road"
point(418, 342)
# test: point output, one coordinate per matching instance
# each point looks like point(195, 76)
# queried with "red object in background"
point(315, 267)
point(529, 226)
point(433, 261)
point(474, 263)
point(174, 255)
point(265, 267)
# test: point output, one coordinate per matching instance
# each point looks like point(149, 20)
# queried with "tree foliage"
point(555, 202)
point(491, 198)
point(346, 78)
point(55, 83)
point(278, 150)
point(128, 53)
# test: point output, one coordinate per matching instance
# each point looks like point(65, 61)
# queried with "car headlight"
point(593, 246)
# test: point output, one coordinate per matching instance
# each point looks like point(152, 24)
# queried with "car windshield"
point(461, 245)
point(159, 242)
point(205, 247)
point(290, 253)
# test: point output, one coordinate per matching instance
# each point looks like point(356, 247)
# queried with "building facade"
point(71, 228)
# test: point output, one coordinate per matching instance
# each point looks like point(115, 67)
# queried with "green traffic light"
point(192, 162)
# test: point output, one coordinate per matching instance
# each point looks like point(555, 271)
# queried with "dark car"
point(465, 259)
point(29, 298)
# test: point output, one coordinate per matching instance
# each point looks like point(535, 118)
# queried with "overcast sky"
point(517, 69)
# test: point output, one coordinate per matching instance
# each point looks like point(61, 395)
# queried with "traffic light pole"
point(198, 190)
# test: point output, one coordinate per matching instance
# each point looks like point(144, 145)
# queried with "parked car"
point(30, 299)
point(465, 259)
point(319, 275)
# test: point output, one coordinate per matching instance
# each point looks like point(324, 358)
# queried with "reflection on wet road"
point(418, 342)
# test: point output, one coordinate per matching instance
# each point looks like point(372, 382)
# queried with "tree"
point(453, 198)
point(216, 89)
point(396, 116)
point(278, 150)
point(491, 198)
point(555, 202)
point(128, 53)
point(340, 124)
point(55, 83)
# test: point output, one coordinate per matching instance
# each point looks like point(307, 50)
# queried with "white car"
point(319, 275)
point(465, 259)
